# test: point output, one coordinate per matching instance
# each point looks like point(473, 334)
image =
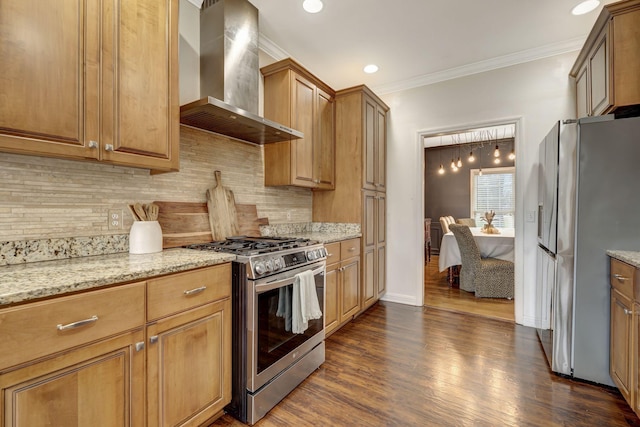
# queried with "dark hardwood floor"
point(438, 294)
point(398, 365)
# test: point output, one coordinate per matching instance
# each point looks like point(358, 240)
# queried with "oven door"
point(271, 346)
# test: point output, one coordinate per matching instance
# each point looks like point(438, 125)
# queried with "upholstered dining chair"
point(469, 222)
point(444, 224)
point(487, 277)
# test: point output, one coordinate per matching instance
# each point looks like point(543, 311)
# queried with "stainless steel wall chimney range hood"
point(229, 76)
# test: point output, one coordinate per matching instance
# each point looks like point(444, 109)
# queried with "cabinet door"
point(599, 76)
point(49, 75)
point(139, 83)
point(189, 366)
point(381, 270)
point(621, 319)
point(381, 150)
point(369, 145)
point(635, 359)
point(350, 284)
point(96, 385)
point(324, 142)
point(582, 98)
point(331, 302)
point(303, 110)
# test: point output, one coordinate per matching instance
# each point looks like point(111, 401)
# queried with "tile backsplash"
point(46, 198)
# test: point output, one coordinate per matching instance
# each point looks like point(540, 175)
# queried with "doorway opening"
point(467, 172)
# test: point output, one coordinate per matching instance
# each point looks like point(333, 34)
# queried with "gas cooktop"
point(268, 255)
point(247, 246)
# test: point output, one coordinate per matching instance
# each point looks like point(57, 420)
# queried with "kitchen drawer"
point(182, 291)
point(349, 248)
point(622, 277)
point(33, 330)
point(333, 252)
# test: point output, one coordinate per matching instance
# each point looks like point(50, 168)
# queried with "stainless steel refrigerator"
point(589, 201)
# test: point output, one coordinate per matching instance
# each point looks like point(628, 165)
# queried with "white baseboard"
point(401, 299)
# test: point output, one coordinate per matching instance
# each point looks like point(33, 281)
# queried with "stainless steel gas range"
point(269, 360)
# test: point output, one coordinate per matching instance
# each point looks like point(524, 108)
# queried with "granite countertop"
point(630, 257)
point(23, 282)
point(324, 237)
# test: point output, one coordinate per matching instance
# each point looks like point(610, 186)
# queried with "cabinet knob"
point(627, 311)
point(140, 346)
point(153, 339)
point(108, 147)
point(93, 144)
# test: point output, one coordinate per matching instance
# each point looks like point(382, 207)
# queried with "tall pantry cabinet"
point(360, 182)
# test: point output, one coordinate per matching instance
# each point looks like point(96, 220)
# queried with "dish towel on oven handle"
point(304, 302)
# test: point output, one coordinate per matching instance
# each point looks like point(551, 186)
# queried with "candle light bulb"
point(453, 164)
point(496, 152)
point(512, 155)
point(441, 170)
point(471, 157)
point(459, 164)
point(480, 173)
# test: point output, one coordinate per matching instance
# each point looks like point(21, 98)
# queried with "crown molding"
point(272, 49)
point(521, 57)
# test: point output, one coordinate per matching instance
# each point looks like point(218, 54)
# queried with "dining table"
point(490, 246)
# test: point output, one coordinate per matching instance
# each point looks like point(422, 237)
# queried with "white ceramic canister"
point(145, 237)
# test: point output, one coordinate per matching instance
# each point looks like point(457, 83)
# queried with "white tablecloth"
point(490, 246)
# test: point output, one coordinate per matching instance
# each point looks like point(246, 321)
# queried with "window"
point(493, 190)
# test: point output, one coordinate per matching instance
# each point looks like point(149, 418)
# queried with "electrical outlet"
point(115, 219)
point(288, 214)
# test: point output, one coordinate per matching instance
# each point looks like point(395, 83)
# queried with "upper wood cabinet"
point(607, 70)
point(375, 145)
point(296, 98)
point(91, 80)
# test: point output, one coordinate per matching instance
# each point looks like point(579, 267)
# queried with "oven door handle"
point(279, 283)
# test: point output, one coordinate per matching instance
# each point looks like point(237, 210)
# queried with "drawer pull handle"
point(78, 324)
point(620, 277)
point(195, 291)
point(328, 255)
point(352, 249)
point(153, 339)
point(627, 311)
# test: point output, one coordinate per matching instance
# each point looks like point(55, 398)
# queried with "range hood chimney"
point(229, 76)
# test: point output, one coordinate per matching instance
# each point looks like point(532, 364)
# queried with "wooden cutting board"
point(222, 210)
point(183, 223)
point(248, 221)
point(186, 223)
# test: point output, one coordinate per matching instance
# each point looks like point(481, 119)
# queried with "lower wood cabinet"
point(624, 342)
point(100, 384)
point(85, 359)
point(342, 298)
point(188, 372)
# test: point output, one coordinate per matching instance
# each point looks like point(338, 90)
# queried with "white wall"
point(534, 94)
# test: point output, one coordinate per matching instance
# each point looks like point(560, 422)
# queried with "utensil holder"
point(145, 237)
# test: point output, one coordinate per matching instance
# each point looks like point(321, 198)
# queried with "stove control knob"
point(323, 252)
point(311, 255)
point(269, 265)
point(260, 268)
point(277, 264)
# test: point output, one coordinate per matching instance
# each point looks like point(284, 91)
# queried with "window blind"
point(494, 190)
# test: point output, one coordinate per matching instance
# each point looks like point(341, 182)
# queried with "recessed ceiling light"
point(312, 6)
point(585, 7)
point(371, 68)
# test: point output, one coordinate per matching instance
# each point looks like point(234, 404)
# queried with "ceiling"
point(421, 41)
